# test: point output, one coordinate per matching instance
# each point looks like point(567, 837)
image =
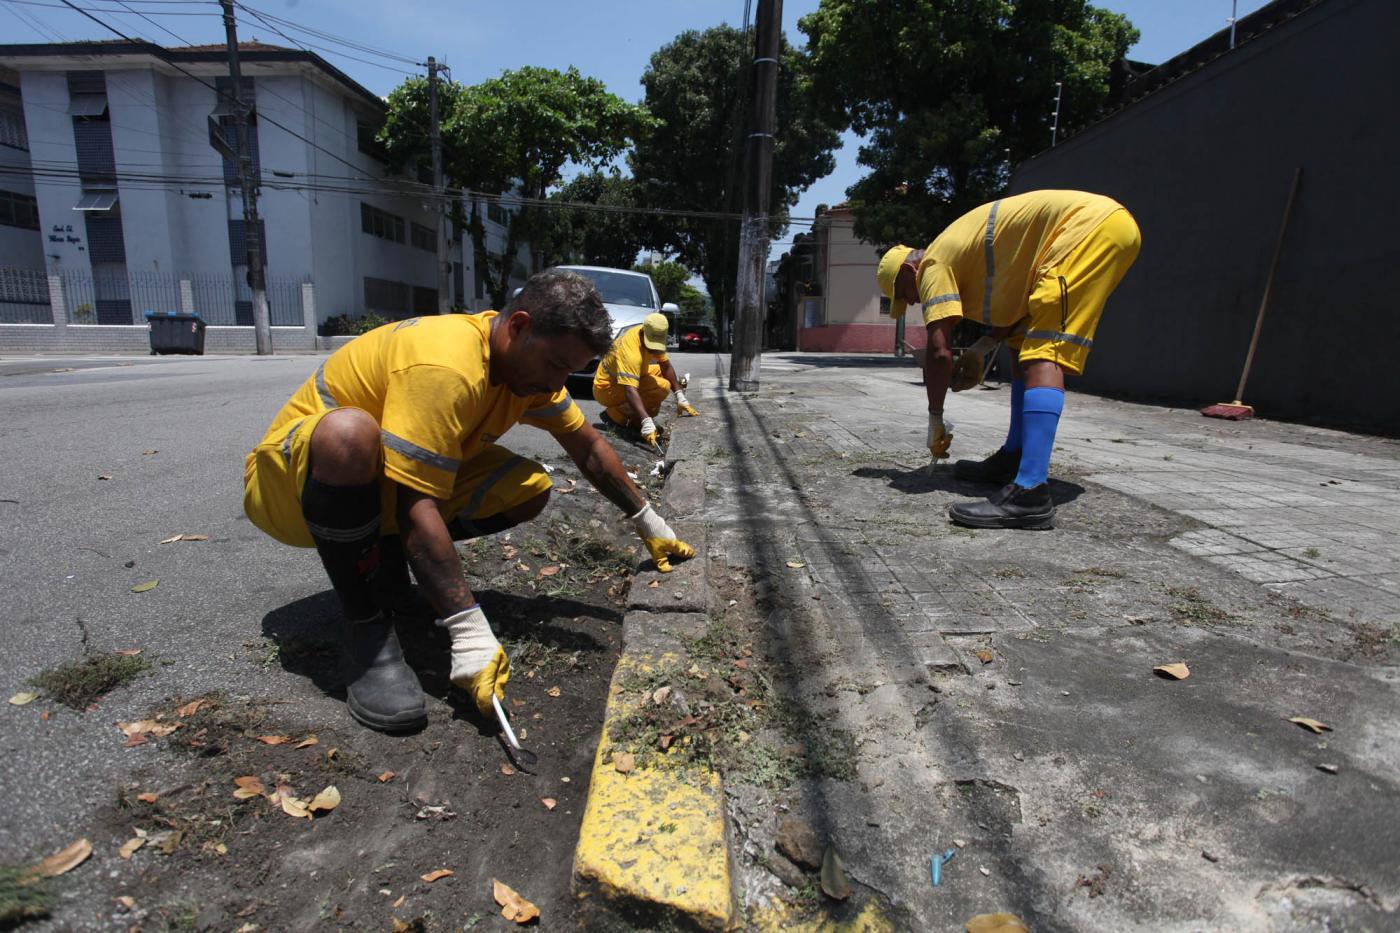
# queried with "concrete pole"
point(444, 265)
point(758, 171)
point(262, 330)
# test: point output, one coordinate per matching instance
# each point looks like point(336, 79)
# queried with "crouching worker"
point(635, 377)
point(387, 454)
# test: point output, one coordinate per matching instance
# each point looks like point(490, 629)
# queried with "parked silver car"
point(629, 297)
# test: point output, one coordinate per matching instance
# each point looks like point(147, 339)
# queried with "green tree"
point(696, 87)
point(609, 235)
point(513, 135)
point(950, 94)
point(672, 282)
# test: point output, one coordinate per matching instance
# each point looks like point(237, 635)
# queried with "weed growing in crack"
point(1192, 608)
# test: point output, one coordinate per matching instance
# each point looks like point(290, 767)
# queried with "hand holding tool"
point(660, 540)
point(479, 663)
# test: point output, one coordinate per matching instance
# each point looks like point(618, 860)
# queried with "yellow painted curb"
point(654, 838)
point(789, 918)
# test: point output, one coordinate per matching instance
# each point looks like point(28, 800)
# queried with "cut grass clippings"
point(21, 896)
point(80, 683)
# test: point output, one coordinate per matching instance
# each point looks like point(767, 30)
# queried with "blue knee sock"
point(1041, 417)
point(1018, 400)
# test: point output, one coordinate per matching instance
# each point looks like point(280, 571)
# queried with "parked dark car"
point(698, 338)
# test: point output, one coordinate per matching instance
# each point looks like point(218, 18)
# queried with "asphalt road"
point(103, 458)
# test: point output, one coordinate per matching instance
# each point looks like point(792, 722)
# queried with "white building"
point(138, 210)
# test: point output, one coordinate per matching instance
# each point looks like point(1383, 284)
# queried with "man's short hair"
point(564, 302)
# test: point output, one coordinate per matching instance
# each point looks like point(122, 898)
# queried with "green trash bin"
point(172, 332)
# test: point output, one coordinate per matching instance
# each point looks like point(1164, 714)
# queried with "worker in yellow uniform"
point(388, 451)
point(635, 377)
point(1036, 270)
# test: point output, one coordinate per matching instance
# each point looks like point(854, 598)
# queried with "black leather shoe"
point(381, 690)
point(999, 469)
point(1011, 507)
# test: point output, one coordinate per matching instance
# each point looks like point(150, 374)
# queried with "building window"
point(19, 210)
point(424, 300)
point(497, 214)
point(364, 138)
point(424, 238)
point(392, 298)
point(12, 132)
point(382, 224)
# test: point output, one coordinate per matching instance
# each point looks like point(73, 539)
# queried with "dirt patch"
point(80, 684)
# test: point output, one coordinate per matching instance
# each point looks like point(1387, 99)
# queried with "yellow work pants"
point(652, 388)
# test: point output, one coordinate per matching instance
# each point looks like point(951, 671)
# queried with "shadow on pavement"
point(920, 480)
point(825, 361)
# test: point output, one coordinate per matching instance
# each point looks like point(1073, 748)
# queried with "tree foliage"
point(609, 236)
point(949, 94)
point(514, 134)
point(696, 87)
point(672, 281)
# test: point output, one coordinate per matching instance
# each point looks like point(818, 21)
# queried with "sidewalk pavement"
point(1000, 684)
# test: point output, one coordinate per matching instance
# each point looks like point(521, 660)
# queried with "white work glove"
point(683, 405)
point(649, 433)
point(479, 663)
point(940, 436)
point(972, 363)
point(660, 540)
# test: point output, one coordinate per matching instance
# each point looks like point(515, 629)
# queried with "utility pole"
point(252, 234)
point(758, 173)
point(444, 265)
point(1055, 117)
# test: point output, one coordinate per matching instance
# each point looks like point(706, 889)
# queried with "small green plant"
point(21, 897)
point(1312, 553)
point(82, 314)
point(79, 683)
point(369, 322)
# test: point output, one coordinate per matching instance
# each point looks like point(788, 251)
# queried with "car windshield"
point(621, 288)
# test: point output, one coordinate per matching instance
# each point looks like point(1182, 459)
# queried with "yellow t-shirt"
point(626, 360)
point(426, 381)
point(986, 263)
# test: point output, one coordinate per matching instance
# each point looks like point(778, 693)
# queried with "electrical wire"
point(85, 10)
point(330, 37)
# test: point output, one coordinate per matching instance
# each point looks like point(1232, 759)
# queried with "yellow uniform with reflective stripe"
point(628, 362)
point(1045, 259)
point(426, 382)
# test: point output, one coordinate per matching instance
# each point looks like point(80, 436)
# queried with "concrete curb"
point(654, 841)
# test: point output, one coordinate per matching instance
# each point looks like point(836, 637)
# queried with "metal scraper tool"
point(524, 754)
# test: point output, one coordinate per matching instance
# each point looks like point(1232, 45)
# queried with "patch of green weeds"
point(80, 683)
point(1100, 572)
point(1192, 608)
point(1008, 573)
point(544, 658)
point(1312, 553)
point(21, 897)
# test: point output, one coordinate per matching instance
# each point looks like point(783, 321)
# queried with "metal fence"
point(119, 297)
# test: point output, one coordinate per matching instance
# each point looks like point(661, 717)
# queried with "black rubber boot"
point(1011, 507)
point(380, 688)
point(998, 469)
point(392, 587)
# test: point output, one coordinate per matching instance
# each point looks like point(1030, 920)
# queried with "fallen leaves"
point(984, 655)
point(250, 786)
point(64, 860)
point(554, 691)
point(385, 777)
point(184, 537)
point(129, 847)
point(325, 801)
point(274, 739)
point(145, 587)
point(148, 797)
point(796, 564)
point(835, 884)
point(624, 762)
point(307, 742)
point(432, 876)
point(1176, 671)
point(996, 923)
point(137, 731)
point(513, 906)
point(506, 769)
point(549, 802)
point(192, 707)
point(550, 571)
point(1310, 724)
point(23, 698)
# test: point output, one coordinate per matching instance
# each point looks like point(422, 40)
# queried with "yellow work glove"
point(940, 436)
point(649, 433)
point(972, 363)
point(660, 540)
point(683, 405)
point(479, 663)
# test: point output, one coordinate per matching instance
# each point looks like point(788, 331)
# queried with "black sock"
point(344, 523)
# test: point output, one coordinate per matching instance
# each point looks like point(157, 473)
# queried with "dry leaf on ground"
point(834, 882)
point(796, 564)
point(1311, 724)
point(653, 584)
point(171, 539)
point(128, 652)
point(249, 787)
point(327, 799)
point(148, 797)
point(192, 707)
point(64, 860)
point(143, 727)
point(513, 906)
point(1177, 671)
point(996, 923)
point(274, 739)
point(294, 807)
point(624, 762)
point(506, 769)
point(386, 777)
point(984, 655)
point(432, 876)
point(129, 847)
point(127, 901)
point(21, 699)
point(105, 476)
point(143, 587)
point(550, 571)
point(307, 742)
point(549, 802)
point(553, 691)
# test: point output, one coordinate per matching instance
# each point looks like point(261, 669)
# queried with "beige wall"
point(849, 265)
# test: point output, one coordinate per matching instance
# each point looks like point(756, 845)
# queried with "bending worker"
point(635, 377)
point(1036, 269)
point(387, 454)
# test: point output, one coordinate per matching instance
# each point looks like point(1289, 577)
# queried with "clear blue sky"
point(612, 40)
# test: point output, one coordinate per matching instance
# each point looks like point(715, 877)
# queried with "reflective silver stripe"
point(327, 399)
point(287, 442)
point(407, 322)
point(413, 452)
point(1059, 337)
point(558, 408)
point(344, 534)
point(480, 494)
point(620, 375)
point(942, 299)
point(991, 262)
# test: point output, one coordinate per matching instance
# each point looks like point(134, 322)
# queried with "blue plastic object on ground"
point(935, 865)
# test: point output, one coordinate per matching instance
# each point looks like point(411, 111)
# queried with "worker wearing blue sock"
point(1035, 269)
